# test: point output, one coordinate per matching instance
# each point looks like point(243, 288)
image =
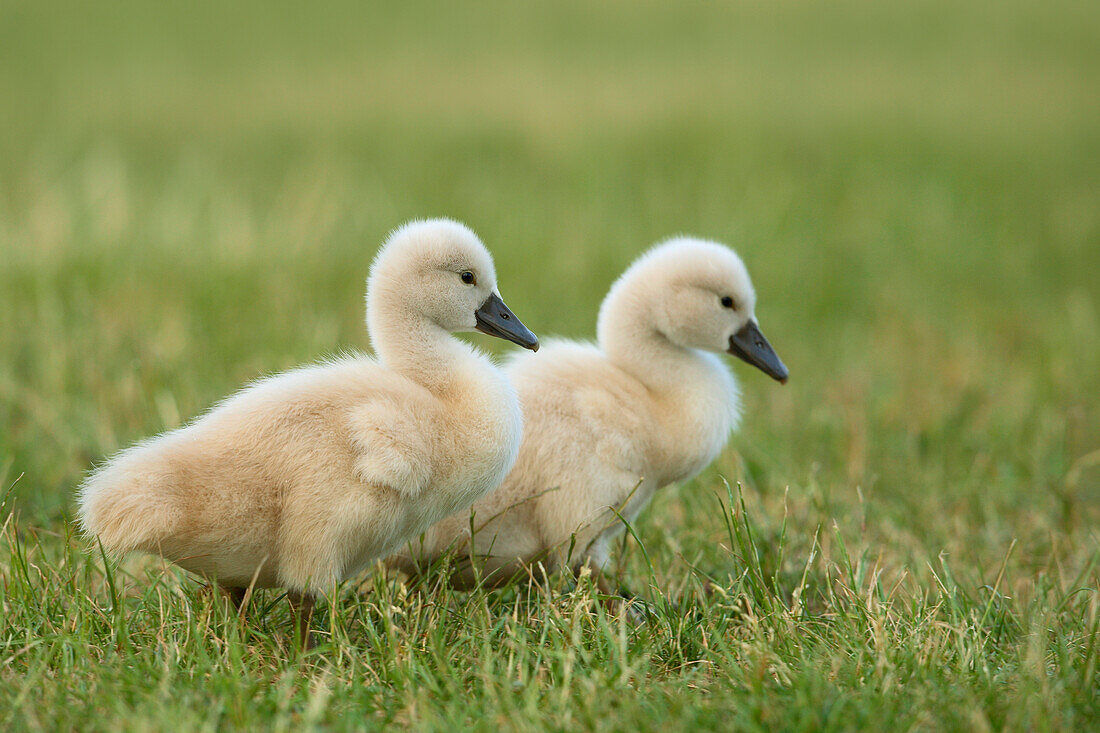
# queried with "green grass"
point(190, 197)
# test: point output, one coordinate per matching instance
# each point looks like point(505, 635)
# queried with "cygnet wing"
point(390, 439)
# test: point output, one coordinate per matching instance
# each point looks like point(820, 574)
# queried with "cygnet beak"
point(751, 346)
point(494, 318)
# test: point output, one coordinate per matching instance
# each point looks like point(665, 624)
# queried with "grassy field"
point(190, 196)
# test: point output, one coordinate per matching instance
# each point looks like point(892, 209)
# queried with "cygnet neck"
point(628, 335)
point(694, 397)
point(651, 358)
point(416, 347)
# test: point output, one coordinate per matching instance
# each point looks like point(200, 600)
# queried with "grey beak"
point(750, 345)
point(494, 318)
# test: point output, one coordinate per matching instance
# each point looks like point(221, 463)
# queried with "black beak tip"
point(779, 372)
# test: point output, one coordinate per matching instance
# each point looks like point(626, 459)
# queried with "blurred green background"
point(191, 194)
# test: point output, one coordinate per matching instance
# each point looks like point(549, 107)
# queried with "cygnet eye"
point(468, 278)
point(727, 302)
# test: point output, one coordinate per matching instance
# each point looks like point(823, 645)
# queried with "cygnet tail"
point(127, 503)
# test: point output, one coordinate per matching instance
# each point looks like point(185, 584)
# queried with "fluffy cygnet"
point(607, 425)
point(302, 479)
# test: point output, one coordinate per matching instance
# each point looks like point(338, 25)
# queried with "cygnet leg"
point(301, 608)
point(612, 595)
point(236, 595)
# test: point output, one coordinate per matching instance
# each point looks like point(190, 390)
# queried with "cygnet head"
point(440, 272)
point(696, 294)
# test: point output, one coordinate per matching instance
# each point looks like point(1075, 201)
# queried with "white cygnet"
point(302, 479)
point(607, 425)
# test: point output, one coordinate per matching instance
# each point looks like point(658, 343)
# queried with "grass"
point(190, 197)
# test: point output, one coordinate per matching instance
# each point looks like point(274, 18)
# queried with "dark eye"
point(468, 278)
point(727, 302)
